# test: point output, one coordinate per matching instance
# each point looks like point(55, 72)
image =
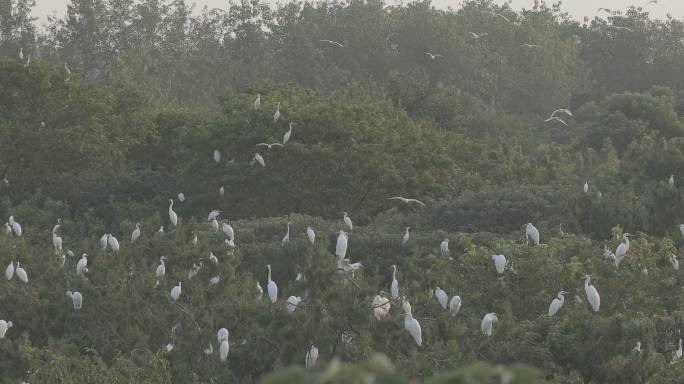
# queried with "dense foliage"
point(122, 104)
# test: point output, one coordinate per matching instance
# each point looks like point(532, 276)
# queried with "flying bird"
point(433, 55)
point(527, 45)
point(331, 42)
point(269, 145)
point(556, 118)
point(407, 201)
point(476, 36)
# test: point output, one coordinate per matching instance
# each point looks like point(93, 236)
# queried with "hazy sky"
point(578, 8)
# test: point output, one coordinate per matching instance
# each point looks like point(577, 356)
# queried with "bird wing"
point(416, 201)
point(262, 144)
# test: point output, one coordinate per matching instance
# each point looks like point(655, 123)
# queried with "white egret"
point(532, 233)
point(592, 294)
point(487, 323)
point(455, 305)
point(286, 136)
point(257, 101)
point(71, 253)
point(585, 187)
point(413, 328)
point(528, 45)
point(56, 239)
point(228, 230)
point(677, 354)
point(271, 287)
point(213, 258)
point(76, 299)
point(405, 305)
point(671, 181)
point(11, 220)
point(176, 291)
point(217, 155)
point(4, 326)
point(181, 197)
point(556, 118)
point(406, 236)
point(477, 36)
point(299, 277)
point(222, 334)
point(499, 263)
point(213, 215)
point(173, 216)
point(637, 347)
point(222, 191)
point(433, 56)
point(161, 229)
point(169, 347)
point(311, 234)
point(557, 303)
point(113, 242)
point(286, 238)
point(406, 201)
point(444, 247)
point(292, 303)
point(341, 246)
point(193, 271)
point(268, 146)
point(622, 249)
point(394, 286)
point(347, 221)
point(103, 242)
point(194, 241)
point(215, 225)
point(223, 350)
point(21, 53)
point(381, 307)
point(21, 274)
point(136, 233)
point(161, 269)
point(209, 349)
point(276, 115)
point(9, 271)
point(674, 262)
point(311, 356)
point(442, 297)
point(332, 42)
point(260, 291)
point(82, 265)
point(259, 159)
point(16, 227)
point(215, 280)
point(681, 229)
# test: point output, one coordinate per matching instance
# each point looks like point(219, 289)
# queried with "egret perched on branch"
point(161, 269)
point(413, 328)
point(21, 274)
point(347, 221)
point(16, 227)
point(671, 181)
point(228, 230)
point(557, 303)
point(173, 216)
point(394, 287)
point(499, 263)
point(209, 349)
point(341, 246)
point(222, 191)
point(585, 188)
point(311, 356)
point(222, 334)
point(381, 307)
point(622, 249)
point(76, 299)
point(103, 241)
point(276, 115)
point(292, 303)
point(113, 242)
point(214, 225)
point(286, 136)
point(681, 229)
point(136, 233)
point(259, 159)
point(82, 265)
point(176, 291)
point(592, 294)
point(223, 350)
point(407, 201)
point(444, 247)
point(405, 305)
point(4, 326)
point(257, 101)
point(181, 197)
point(532, 233)
point(487, 323)
point(442, 297)
point(286, 238)
point(271, 287)
point(455, 305)
point(56, 239)
point(674, 262)
point(9, 271)
point(311, 234)
point(406, 236)
point(217, 155)
point(213, 215)
point(213, 258)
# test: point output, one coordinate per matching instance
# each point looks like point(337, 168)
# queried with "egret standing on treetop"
point(217, 155)
point(341, 246)
point(173, 217)
point(394, 287)
point(257, 101)
point(176, 291)
point(271, 287)
point(347, 221)
point(276, 115)
point(444, 247)
point(671, 181)
point(556, 304)
point(76, 299)
point(499, 263)
point(228, 230)
point(81, 265)
point(532, 233)
point(585, 188)
point(21, 274)
point(455, 305)
point(487, 321)
point(674, 262)
point(161, 269)
point(413, 328)
point(136, 233)
point(442, 297)
point(286, 238)
point(311, 234)
point(286, 136)
point(381, 307)
point(4, 326)
point(592, 294)
point(622, 249)
point(223, 350)
point(406, 236)
point(113, 242)
point(9, 271)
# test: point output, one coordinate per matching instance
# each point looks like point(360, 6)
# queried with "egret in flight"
point(311, 234)
point(556, 118)
point(557, 303)
point(271, 287)
point(455, 305)
point(269, 145)
point(311, 356)
point(331, 42)
point(394, 286)
point(173, 216)
point(76, 299)
point(532, 233)
point(433, 56)
point(407, 201)
point(592, 294)
point(442, 297)
point(487, 323)
point(477, 36)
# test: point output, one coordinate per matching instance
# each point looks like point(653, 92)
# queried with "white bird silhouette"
point(222, 191)
point(9, 271)
point(223, 350)
point(82, 265)
point(556, 118)
point(311, 234)
point(532, 233)
point(276, 115)
point(176, 291)
point(671, 181)
point(585, 187)
point(161, 269)
point(444, 247)
point(286, 136)
point(259, 159)
point(209, 349)
point(413, 328)
point(442, 297)
point(557, 303)
point(311, 356)
point(331, 42)
point(4, 326)
point(592, 294)
point(113, 242)
point(674, 262)
point(292, 303)
point(181, 197)
point(271, 287)
point(136, 233)
point(213, 215)
point(286, 238)
point(21, 274)
point(341, 245)
point(477, 36)
point(455, 305)
point(487, 323)
point(499, 263)
point(407, 201)
point(433, 55)
point(394, 286)
point(173, 216)
point(217, 155)
point(76, 299)
point(269, 145)
point(622, 249)
point(406, 236)
point(213, 258)
point(222, 334)
point(228, 230)
point(257, 101)
point(381, 307)
point(347, 221)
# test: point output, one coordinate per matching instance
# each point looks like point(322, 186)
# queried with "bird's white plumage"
point(286, 136)
point(136, 233)
point(499, 263)
point(271, 287)
point(224, 348)
point(311, 235)
point(9, 271)
point(444, 247)
point(173, 216)
point(76, 299)
point(406, 236)
point(442, 297)
point(82, 265)
point(347, 221)
point(556, 303)
point(487, 323)
point(381, 307)
point(4, 326)
point(341, 245)
point(414, 329)
point(292, 303)
point(455, 305)
point(176, 291)
point(394, 286)
point(113, 243)
point(311, 356)
point(21, 274)
point(592, 294)
point(532, 233)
